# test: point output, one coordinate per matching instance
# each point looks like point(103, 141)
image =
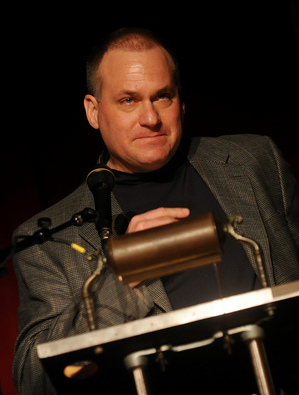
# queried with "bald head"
point(126, 39)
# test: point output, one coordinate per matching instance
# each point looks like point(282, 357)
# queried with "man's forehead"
point(151, 65)
point(116, 60)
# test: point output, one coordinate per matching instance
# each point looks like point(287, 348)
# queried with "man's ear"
point(91, 109)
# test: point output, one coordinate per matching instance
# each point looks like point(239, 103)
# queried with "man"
point(134, 100)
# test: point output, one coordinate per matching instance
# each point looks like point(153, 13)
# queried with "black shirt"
point(179, 185)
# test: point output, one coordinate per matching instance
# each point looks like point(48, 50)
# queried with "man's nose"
point(149, 115)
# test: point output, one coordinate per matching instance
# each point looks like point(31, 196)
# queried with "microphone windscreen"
point(100, 177)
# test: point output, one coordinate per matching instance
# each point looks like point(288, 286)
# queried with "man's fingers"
point(175, 212)
point(157, 217)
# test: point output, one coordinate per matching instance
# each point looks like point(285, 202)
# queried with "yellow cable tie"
point(78, 248)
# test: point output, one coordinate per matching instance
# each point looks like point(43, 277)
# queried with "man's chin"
point(152, 163)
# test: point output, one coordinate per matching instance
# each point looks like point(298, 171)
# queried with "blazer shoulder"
point(238, 148)
point(61, 211)
point(248, 142)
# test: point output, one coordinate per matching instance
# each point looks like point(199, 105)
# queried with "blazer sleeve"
point(50, 278)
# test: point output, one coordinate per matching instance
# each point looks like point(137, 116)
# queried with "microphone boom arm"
point(45, 234)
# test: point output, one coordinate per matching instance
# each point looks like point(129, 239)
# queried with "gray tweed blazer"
point(248, 177)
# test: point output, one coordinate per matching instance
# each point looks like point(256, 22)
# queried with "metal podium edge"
point(143, 326)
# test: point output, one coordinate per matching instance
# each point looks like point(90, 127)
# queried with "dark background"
point(239, 62)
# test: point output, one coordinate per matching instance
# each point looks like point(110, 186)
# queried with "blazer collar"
point(88, 232)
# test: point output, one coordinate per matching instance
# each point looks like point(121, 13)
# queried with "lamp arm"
point(258, 255)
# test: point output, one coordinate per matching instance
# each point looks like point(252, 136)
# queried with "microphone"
point(100, 181)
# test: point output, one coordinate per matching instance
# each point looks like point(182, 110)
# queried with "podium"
point(110, 354)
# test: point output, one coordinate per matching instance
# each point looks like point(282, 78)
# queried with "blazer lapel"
point(88, 232)
point(231, 186)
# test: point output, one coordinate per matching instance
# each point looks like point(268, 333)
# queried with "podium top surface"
point(177, 327)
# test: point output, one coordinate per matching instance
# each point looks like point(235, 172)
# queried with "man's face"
point(139, 114)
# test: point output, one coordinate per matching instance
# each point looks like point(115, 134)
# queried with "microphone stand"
point(45, 234)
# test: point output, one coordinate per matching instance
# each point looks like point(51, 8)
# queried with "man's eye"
point(165, 96)
point(127, 100)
